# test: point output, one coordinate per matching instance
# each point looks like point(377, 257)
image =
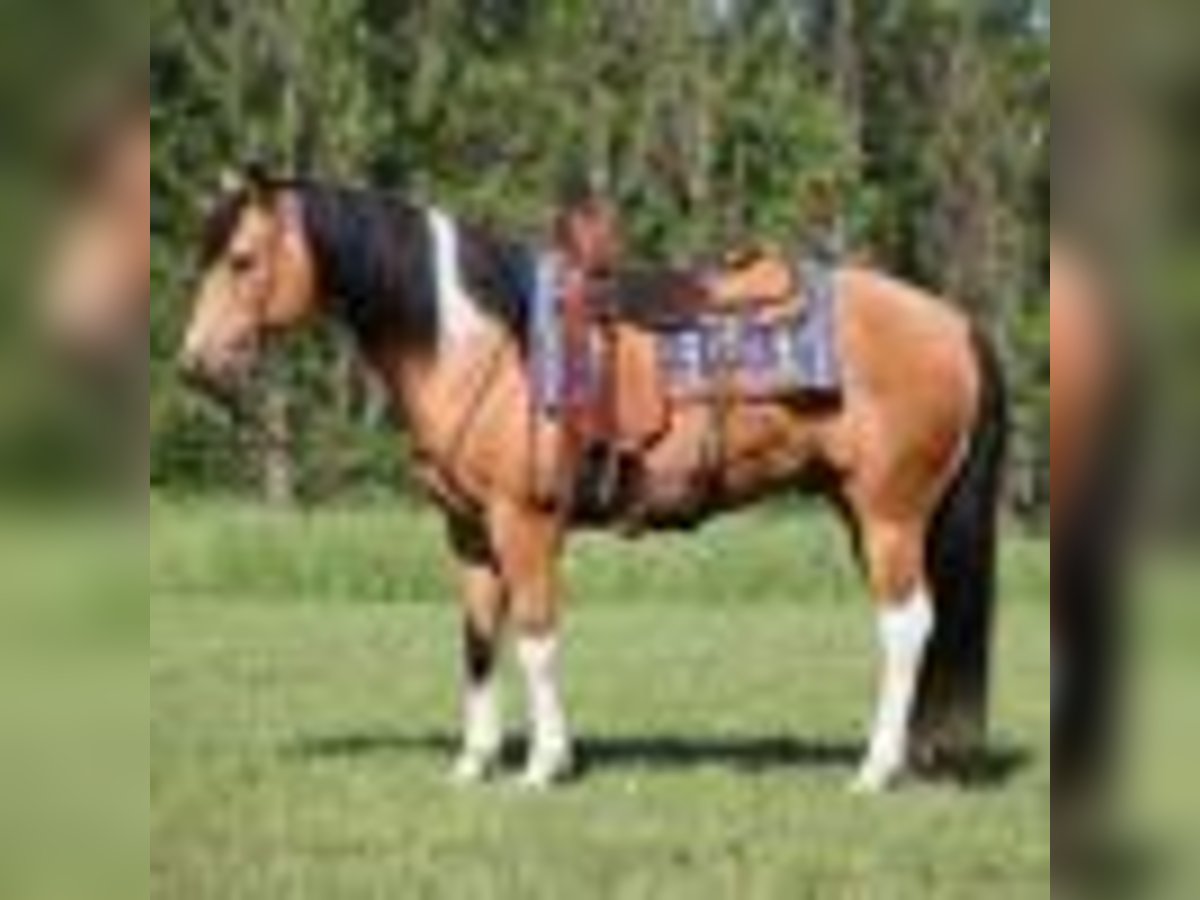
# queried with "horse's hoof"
point(472, 769)
point(873, 780)
point(869, 785)
point(544, 773)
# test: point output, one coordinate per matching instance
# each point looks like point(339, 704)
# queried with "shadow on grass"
point(993, 768)
point(743, 754)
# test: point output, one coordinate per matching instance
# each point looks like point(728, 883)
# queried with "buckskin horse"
point(910, 452)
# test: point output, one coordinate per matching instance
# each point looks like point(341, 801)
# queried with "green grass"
point(304, 669)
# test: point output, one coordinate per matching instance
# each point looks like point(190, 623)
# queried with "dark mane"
point(374, 257)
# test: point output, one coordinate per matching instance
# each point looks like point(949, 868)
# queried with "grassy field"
point(303, 676)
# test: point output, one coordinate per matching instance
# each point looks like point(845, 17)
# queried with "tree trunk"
point(846, 70)
point(278, 465)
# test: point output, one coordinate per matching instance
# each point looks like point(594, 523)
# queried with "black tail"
point(950, 721)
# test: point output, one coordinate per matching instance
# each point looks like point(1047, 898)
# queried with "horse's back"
point(898, 311)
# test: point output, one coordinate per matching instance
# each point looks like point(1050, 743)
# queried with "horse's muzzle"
point(201, 378)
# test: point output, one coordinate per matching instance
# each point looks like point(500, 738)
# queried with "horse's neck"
point(417, 389)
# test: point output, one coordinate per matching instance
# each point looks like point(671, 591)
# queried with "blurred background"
point(913, 133)
point(920, 130)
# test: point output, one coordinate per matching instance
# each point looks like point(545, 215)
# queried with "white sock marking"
point(550, 739)
point(483, 732)
point(904, 633)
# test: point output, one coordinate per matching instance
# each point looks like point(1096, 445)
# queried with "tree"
point(920, 127)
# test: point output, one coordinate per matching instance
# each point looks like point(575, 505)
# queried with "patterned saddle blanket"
point(764, 352)
point(618, 374)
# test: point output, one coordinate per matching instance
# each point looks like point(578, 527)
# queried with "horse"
point(97, 282)
point(911, 454)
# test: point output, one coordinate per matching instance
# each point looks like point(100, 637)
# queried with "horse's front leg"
point(528, 543)
point(484, 609)
point(895, 561)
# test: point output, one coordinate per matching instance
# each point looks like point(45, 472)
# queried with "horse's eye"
point(241, 263)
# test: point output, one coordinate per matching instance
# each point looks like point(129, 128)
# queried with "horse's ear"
point(258, 181)
point(231, 182)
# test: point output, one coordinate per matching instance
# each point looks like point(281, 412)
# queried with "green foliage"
point(388, 553)
point(923, 124)
point(1030, 374)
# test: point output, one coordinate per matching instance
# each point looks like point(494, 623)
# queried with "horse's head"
point(259, 278)
point(98, 288)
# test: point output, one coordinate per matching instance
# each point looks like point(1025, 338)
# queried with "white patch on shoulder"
point(458, 316)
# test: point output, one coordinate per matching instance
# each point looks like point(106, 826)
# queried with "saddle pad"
point(547, 352)
point(759, 354)
point(753, 353)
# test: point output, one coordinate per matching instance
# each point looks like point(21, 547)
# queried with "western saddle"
point(616, 319)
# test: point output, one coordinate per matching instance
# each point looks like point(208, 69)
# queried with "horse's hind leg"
point(484, 608)
point(527, 544)
point(893, 553)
